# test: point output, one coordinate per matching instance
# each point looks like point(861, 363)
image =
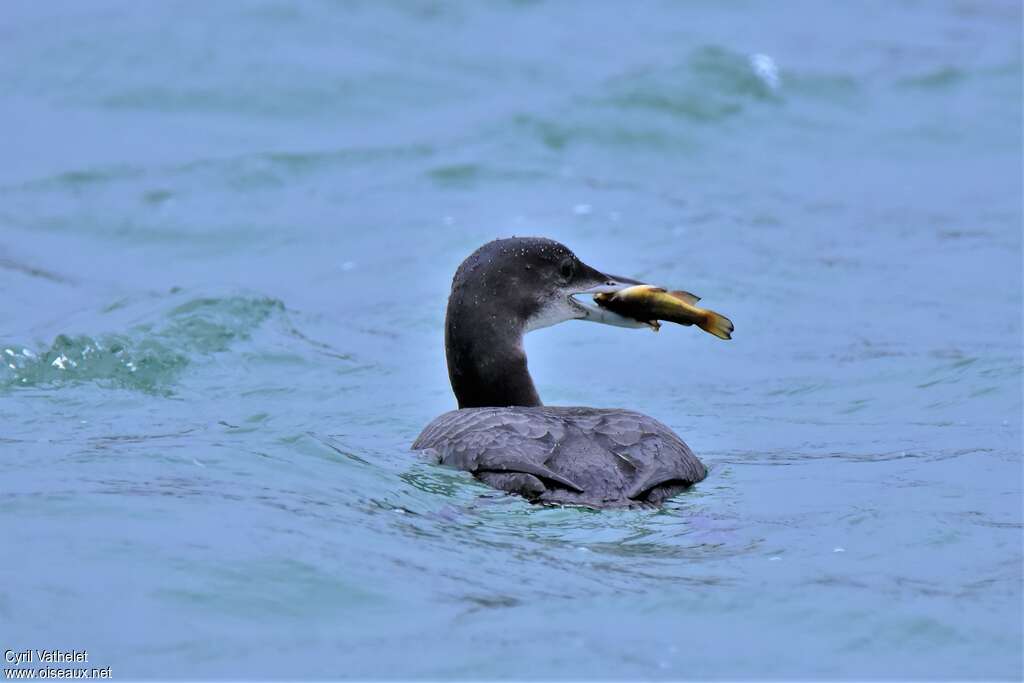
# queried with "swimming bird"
point(501, 432)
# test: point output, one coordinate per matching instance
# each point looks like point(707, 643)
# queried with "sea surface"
point(227, 234)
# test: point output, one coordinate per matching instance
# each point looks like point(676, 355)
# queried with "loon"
point(501, 432)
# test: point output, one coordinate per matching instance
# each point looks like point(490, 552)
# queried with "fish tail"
point(716, 324)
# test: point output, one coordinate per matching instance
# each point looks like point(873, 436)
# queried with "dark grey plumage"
point(575, 456)
point(501, 433)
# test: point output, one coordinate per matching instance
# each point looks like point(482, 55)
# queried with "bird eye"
point(567, 269)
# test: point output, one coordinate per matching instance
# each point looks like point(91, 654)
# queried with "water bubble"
point(766, 69)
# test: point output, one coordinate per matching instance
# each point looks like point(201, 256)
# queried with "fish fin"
point(685, 297)
point(717, 324)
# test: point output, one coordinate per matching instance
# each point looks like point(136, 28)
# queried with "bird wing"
point(657, 454)
point(500, 440)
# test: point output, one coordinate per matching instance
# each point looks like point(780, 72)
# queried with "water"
point(227, 231)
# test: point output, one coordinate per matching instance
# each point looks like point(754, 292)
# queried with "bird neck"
point(486, 361)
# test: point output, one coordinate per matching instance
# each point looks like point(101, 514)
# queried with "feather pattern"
point(574, 456)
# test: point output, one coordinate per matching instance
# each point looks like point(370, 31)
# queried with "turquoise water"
point(227, 231)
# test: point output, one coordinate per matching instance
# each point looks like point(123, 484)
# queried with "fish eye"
point(567, 269)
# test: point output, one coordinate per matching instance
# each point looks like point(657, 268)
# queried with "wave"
point(149, 356)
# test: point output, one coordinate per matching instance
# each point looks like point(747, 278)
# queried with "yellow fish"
point(649, 304)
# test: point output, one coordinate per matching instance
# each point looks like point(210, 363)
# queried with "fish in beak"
point(589, 308)
point(649, 304)
point(625, 302)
